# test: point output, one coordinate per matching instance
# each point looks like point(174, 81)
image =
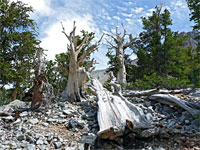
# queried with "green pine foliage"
point(18, 45)
point(162, 60)
point(194, 6)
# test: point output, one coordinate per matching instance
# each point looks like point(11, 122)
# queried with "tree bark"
point(73, 90)
point(15, 92)
point(121, 74)
point(77, 74)
point(37, 93)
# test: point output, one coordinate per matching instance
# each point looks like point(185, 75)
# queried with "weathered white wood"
point(115, 112)
point(119, 47)
point(156, 91)
point(173, 100)
point(77, 74)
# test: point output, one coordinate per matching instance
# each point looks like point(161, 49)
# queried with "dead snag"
point(119, 46)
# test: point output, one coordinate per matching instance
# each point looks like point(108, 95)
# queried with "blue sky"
point(98, 16)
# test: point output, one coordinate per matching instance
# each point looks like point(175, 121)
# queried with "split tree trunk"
point(115, 112)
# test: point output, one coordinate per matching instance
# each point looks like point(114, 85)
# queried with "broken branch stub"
point(115, 112)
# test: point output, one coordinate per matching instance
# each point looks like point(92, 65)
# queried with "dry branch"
point(173, 100)
point(157, 91)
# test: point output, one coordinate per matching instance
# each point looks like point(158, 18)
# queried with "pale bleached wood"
point(173, 100)
point(115, 112)
point(117, 42)
point(156, 91)
point(77, 74)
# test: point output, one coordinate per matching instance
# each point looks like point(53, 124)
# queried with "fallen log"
point(173, 100)
point(157, 91)
point(115, 112)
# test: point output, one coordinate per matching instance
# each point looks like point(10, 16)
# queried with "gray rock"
point(40, 141)
point(23, 114)
point(43, 147)
point(147, 103)
point(45, 124)
point(51, 120)
point(176, 131)
point(150, 132)
point(91, 114)
point(30, 147)
point(61, 104)
point(159, 148)
point(34, 121)
point(187, 122)
point(149, 116)
point(88, 139)
point(62, 116)
point(68, 112)
point(48, 112)
point(20, 137)
point(91, 123)
point(196, 123)
point(168, 109)
point(55, 117)
point(58, 144)
point(30, 139)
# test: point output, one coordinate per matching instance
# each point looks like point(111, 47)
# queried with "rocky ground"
point(67, 126)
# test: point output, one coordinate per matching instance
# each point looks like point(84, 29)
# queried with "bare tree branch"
point(83, 43)
point(110, 45)
point(89, 51)
point(63, 31)
point(128, 44)
point(124, 31)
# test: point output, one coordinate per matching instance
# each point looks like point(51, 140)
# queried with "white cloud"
point(117, 18)
point(126, 15)
point(179, 4)
point(122, 8)
point(149, 11)
point(130, 21)
point(137, 10)
point(43, 7)
point(179, 10)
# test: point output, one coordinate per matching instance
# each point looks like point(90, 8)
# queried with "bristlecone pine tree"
point(118, 43)
point(76, 72)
